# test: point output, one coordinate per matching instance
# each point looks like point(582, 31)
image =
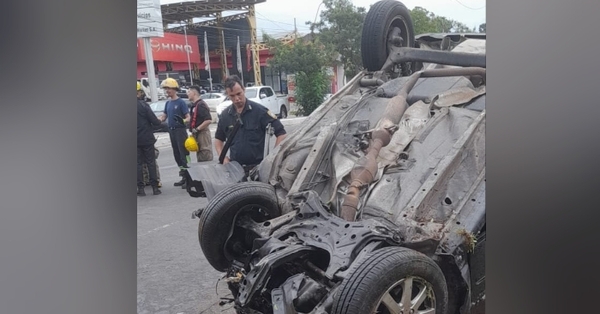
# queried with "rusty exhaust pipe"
point(363, 173)
point(444, 72)
point(365, 169)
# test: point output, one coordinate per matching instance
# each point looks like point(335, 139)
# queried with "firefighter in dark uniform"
point(247, 145)
point(145, 143)
point(200, 123)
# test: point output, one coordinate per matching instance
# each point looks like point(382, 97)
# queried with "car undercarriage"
point(376, 204)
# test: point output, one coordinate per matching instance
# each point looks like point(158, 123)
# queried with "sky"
point(277, 16)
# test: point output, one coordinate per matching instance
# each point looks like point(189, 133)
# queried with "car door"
point(262, 95)
point(270, 101)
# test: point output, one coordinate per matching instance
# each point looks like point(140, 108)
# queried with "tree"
point(341, 27)
point(427, 22)
point(307, 59)
point(422, 21)
point(482, 28)
point(458, 27)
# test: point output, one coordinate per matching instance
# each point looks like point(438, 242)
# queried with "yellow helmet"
point(170, 83)
point(139, 86)
point(191, 145)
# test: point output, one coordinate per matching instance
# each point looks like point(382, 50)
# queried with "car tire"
point(383, 275)
point(219, 238)
point(384, 18)
point(283, 112)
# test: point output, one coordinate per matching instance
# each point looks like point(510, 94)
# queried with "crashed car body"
point(376, 204)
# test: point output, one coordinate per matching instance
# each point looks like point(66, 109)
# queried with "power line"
point(278, 24)
point(273, 22)
point(303, 27)
point(468, 7)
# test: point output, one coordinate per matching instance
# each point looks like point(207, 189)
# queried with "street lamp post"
point(312, 27)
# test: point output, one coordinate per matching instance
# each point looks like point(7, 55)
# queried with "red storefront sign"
point(171, 48)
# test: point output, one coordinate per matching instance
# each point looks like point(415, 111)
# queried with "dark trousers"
point(178, 137)
point(146, 155)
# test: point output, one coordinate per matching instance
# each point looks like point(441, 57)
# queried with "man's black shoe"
point(141, 192)
point(180, 183)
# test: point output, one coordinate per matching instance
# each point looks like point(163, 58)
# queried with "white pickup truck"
point(264, 95)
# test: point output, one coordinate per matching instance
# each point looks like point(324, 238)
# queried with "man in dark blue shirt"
point(177, 114)
point(247, 145)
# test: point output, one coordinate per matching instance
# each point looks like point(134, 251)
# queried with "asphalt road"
point(173, 275)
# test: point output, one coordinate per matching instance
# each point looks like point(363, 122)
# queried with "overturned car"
point(376, 204)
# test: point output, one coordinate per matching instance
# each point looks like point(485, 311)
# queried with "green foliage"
point(340, 26)
point(482, 28)
point(422, 21)
point(338, 33)
point(310, 90)
point(427, 22)
point(307, 59)
point(302, 55)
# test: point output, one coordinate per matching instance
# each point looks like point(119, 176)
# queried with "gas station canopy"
point(179, 18)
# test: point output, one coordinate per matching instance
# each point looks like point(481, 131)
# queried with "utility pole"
point(150, 69)
point(187, 52)
point(254, 45)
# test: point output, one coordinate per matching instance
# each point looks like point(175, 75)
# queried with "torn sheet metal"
point(457, 96)
point(415, 117)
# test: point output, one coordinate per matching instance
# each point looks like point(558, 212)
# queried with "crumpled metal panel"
point(427, 149)
point(415, 118)
point(457, 96)
point(446, 184)
point(477, 104)
point(425, 88)
point(216, 177)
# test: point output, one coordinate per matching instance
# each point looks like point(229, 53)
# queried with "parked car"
point(217, 87)
point(182, 93)
point(264, 95)
point(376, 204)
point(213, 100)
point(158, 107)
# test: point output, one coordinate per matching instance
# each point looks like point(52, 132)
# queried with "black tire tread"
point(373, 33)
point(367, 274)
point(220, 208)
point(281, 110)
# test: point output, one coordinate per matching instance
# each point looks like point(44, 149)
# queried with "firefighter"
point(145, 143)
point(247, 145)
point(176, 113)
point(199, 126)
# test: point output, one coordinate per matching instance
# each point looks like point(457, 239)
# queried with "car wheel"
point(393, 280)
point(385, 22)
point(282, 113)
point(221, 240)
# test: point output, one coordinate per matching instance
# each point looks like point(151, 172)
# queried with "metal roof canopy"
point(175, 13)
point(185, 12)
